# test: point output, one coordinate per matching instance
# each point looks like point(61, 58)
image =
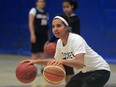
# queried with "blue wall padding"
point(98, 25)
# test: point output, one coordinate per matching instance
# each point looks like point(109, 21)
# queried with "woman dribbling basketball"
point(94, 70)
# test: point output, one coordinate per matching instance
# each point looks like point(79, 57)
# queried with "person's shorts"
point(96, 78)
point(38, 46)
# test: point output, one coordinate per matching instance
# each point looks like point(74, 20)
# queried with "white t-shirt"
point(76, 45)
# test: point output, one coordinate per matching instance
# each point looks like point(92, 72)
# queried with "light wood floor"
point(8, 65)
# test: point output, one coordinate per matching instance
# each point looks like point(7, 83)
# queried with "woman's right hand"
point(33, 38)
point(30, 61)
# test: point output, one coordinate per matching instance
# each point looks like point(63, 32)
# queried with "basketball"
point(54, 74)
point(26, 73)
point(50, 48)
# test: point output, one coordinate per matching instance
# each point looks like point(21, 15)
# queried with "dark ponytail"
point(73, 3)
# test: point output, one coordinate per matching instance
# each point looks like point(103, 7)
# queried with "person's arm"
point(31, 28)
point(38, 61)
point(31, 25)
point(78, 62)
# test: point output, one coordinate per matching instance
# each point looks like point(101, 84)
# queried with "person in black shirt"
point(38, 26)
point(74, 22)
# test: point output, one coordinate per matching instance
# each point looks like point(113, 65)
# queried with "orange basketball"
point(26, 73)
point(54, 74)
point(50, 48)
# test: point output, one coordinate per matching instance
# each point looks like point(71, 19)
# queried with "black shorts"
point(69, 70)
point(96, 78)
point(38, 46)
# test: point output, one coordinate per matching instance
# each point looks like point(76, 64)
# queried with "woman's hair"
point(72, 3)
point(64, 17)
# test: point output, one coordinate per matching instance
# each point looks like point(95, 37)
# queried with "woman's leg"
point(97, 79)
point(76, 81)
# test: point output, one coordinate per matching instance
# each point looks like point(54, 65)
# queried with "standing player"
point(68, 7)
point(38, 25)
point(94, 70)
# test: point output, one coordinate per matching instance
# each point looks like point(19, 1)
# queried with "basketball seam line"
point(52, 81)
point(54, 74)
point(56, 67)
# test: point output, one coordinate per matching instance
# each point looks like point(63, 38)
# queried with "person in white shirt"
point(39, 33)
point(72, 50)
point(39, 29)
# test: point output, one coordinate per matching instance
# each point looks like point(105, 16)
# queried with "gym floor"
point(8, 64)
